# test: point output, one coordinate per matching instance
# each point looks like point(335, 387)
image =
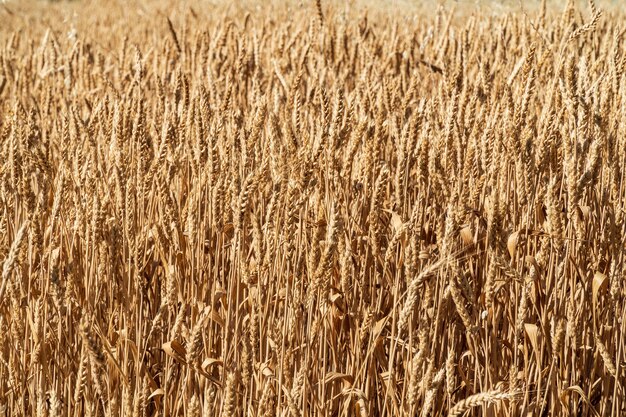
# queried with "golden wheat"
point(311, 209)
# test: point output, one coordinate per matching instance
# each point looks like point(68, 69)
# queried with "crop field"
point(316, 208)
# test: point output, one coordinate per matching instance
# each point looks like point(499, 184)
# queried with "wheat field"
point(311, 209)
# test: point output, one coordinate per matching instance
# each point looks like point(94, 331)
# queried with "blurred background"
point(94, 19)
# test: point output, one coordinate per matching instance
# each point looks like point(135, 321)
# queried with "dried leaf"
point(396, 221)
point(533, 335)
point(208, 362)
point(337, 376)
point(266, 370)
point(156, 393)
point(584, 212)
point(600, 283)
point(215, 316)
point(175, 350)
point(511, 244)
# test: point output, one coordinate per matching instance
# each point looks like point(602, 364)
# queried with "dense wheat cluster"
point(311, 210)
